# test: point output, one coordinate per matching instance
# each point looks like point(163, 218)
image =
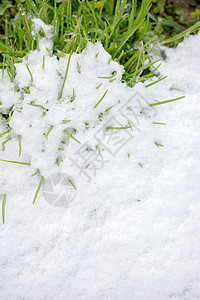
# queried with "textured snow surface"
point(106, 244)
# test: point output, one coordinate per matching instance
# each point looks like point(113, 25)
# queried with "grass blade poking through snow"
point(71, 136)
point(108, 77)
point(158, 123)
point(49, 52)
point(72, 184)
point(35, 173)
point(3, 208)
point(20, 145)
point(43, 62)
point(167, 101)
point(5, 133)
point(152, 83)
point(118, 128)
point(16, 162)
point(60, 96)
point(46, 134)
point(38, 189)
point(101, 99)
point(30, 73)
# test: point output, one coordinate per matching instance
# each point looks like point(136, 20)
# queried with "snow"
point(131, 232)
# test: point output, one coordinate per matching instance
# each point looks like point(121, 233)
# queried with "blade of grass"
point(167, 101)
point(152, 83)
point(38, 189)
point(49, 52)
point(3, 208)
point(145, 7)
point(108, 77)
point(20, 145)
point(35, 173)
point(5, 133)
point(46, 135)
point(101, 99)
point(43, 62)
point(67, 69)
point(36, 105)
point(70, 135)
point(72, 184)
point(182, 34)
point(30, 73)
point(16, 162)
point(118, 128)
point(159, 123)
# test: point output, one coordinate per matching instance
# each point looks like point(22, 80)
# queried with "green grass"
point(71, 136)
point(101, 99)
point(3, 208)
point(125, 28)
point(166, 101)
point(16, 162)
point(38, 189)
point(67, 69)
point(169, 18)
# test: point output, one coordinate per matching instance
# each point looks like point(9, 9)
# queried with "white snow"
point(106, 244)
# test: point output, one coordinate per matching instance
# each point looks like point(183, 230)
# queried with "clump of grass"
point(169, 18)
point(119, 25)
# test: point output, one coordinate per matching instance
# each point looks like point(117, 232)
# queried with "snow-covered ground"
point(132, 230)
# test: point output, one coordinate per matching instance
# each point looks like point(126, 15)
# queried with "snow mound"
point(55, 103)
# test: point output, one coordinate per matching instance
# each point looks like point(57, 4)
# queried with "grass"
point(169, 18)
point(158, 123)
point(166, 101)
point(118, 128)
point(181, 35)
point(30, 73)
point(72, 184)
point(38, 189)
point(67, 69)
point(3, 208)
point(101, 99)
point(20, 145)
point(119, 25)
point(46, 134)
point(71, 136)
point(129, 31)
point(16, 162)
